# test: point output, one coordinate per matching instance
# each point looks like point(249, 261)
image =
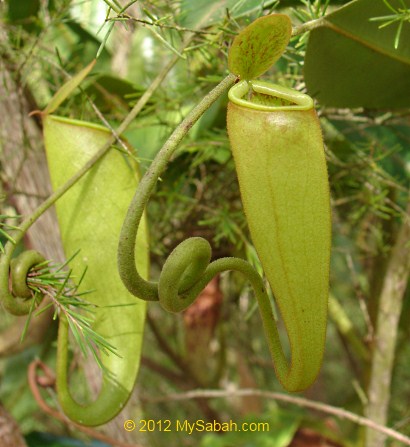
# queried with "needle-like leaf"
point(62, 289)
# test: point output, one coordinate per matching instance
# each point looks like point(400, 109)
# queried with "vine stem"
point(341, 413)
point(126, 253)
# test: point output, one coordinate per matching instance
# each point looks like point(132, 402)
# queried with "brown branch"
point(391, 302)
point(48, 380)
point(299, 401)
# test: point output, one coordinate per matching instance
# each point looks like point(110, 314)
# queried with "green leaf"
point(68, 88)
point(352, 62)
point(259, 46)
point(90, 217)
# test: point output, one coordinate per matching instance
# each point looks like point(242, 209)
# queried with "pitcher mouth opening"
point(264, 96)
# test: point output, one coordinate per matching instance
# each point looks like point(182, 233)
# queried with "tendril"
point(188, 269)
point(15, 294)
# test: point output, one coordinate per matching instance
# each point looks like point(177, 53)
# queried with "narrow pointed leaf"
point(63, 93)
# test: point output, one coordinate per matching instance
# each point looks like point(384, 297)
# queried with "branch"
point(299, 401)
point(391, 303)
point(308, 26)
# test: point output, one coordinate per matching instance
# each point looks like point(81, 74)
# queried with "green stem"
point(126, 255)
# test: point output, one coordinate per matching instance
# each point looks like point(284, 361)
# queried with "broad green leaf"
point(256, 48)
point(352, 62)
point(68, 88)
point(90, 217)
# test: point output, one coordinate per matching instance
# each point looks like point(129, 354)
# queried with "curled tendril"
point(188, 269)
point(186, 272)
point(14, 292)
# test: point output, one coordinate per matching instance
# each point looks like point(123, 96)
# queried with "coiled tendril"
point(188, 269)
point(15, 295)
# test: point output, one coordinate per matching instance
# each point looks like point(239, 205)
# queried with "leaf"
point(68, 88)
point(256, 48)
point(352, 62)
point(90, 217)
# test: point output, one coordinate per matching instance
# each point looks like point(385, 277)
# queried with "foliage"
point(365, 119)
point(352, 34)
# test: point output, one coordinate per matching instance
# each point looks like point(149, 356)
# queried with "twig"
point(308, 26)
point(158, 24)
point(299, 401)
point(47, 380)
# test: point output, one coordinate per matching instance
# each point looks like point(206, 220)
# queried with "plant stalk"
point(391, 302)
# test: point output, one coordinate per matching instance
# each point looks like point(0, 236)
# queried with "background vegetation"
point(218, 343)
